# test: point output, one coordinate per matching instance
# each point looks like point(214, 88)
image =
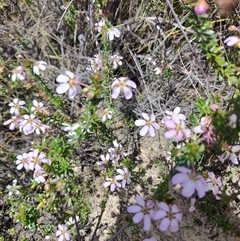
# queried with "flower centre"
point(148, 123)
point(170, 215)
point(193, 176)
point(122, 84)
point(179, 128)
point(72, 82)
point(145, 210)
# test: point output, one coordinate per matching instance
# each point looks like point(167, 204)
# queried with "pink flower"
point(124, 176)
point(170, 216)
point(176, 111)
point(190, 181)
point(16, 105)
point(63, 233)
point(201, 7)
point(14, 122)
point(232, 40)
point(112, 182)
point(105, 160)
point(148, 123)
point(36, 158)
point(68, 82)
point(177, 129)
point(206, 129)
point(116, 152)
point(214, 107)
point(27, 125)
point(232, 153)
point(122, 84)
point(214, 184)
point(39, 127)
point(142, 212)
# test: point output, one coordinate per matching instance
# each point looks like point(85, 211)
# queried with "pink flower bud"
point(214, 107)
point(201, 7)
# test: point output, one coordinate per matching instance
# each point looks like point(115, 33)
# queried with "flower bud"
point(201, 7)
point(90, 94)
point(85, 90)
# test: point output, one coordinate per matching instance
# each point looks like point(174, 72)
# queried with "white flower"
point(15, 105)
point(71, 129)
point(148, 124)
point(37, 107)
point(39, 175)
point(99, 26)
point(107, 114)
point(71, 220)
point(18, 73)
point(13, 189)
point(63, 233)
point(112, 33)
point(116, 60)
point(68, 82)
point(39, 65)
point(158, 70)
point(151, 61)
point(122, 84)
point(22, 161)
point(96, 63)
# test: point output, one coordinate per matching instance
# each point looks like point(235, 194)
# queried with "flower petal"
point(188, 188)
point(134, 209)
point(174, 226)
point(170, 134)
point(138, 217)
point(164, 224)
point(62, 88)
point(62, 78)
point(160, 214)
point(140, 201)
point(146, 222)
point(144, 130)
point(140, 122)
point(115, 92)
point(127, 93)
point(163, 206)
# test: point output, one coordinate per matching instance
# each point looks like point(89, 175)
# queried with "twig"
point(64, 13)
point(188, 42)
point(118, 232)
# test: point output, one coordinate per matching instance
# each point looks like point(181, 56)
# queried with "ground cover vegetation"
point(87, 87)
